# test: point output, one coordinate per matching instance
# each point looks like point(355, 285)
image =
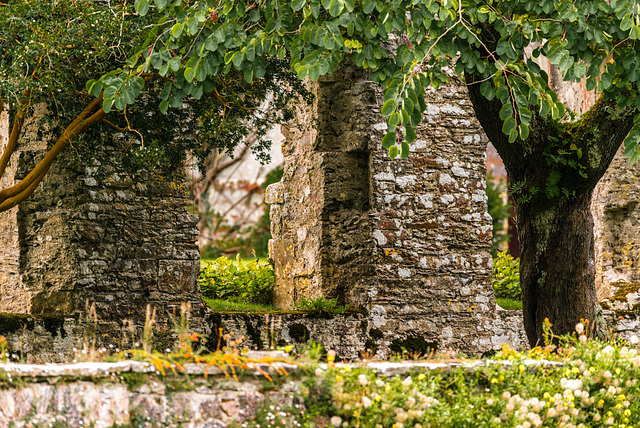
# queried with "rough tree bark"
point(557, 269)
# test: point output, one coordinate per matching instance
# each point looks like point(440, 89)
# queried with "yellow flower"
point(521, 368)
point(575, 370)
point(592, 370)
point(421, 376)
point(494, 380)
point(617, 371)
point(387, 388)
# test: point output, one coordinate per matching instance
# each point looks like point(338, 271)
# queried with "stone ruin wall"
point(406, 241)
point(616, 213)
point(97, 235)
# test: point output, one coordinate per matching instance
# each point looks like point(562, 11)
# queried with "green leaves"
point(142, 7)
point(389, 140)
point(200, 40)
point(388, 108)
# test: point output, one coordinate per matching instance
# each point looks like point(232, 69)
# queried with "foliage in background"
point(239, 282)
point(506, 276)
point(246, 240)
point(49, 50)
point(499, 211)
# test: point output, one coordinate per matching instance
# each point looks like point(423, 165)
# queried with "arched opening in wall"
point(500, 205)
point(505, 248)
point(228, 195)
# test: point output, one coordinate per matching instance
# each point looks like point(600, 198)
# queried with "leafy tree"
point(49, 50)
point(554, 158)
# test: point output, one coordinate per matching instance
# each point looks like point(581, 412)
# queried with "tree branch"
point(77, 126)
point(599, 133)
point(13, 139)
point(15, 200)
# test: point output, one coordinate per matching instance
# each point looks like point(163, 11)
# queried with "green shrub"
point(227, 306)
point(506, 276)
point(241, 282)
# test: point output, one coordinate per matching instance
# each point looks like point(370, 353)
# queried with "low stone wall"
point(52, 339)
point(40, 338)
point(351, 334)
point(134, 394)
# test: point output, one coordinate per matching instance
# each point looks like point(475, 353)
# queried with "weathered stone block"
point(94, 236)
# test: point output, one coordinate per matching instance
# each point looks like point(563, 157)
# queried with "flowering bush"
point(578, 383)
point(591, 384)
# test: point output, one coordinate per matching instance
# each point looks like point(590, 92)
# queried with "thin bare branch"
point(13, 139)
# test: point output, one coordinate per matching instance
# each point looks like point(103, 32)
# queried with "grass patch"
point(226, 306)
point(509, 304)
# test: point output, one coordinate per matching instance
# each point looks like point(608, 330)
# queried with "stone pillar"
point(96, 234)
point(406, 241)
point(616, 214)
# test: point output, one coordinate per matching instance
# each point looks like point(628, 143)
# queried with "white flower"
point(362, 379)
point(608, 350)
point(318, 372)
point(336, 421)
point(366, 402)
point(379, 383)
point(579, 328)
point(634, 340)
point(407, 381)
point(411, 402)
point(583, 339)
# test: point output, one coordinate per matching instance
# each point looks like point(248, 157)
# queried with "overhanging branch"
point(15, 194)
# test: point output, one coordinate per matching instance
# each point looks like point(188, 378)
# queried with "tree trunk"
point(557, 269)
point(555, 227)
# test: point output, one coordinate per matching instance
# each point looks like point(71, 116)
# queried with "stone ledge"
point(131, 393)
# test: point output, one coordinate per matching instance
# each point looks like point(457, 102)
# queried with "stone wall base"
point(353, 335)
